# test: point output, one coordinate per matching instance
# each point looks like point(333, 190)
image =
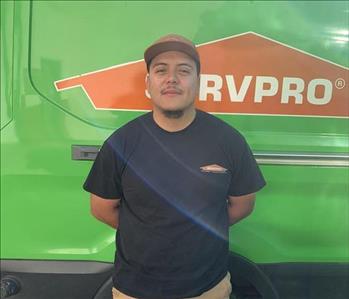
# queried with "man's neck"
point(174, 124)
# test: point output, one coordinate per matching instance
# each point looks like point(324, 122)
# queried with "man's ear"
point(147, 94)
point(198, 87)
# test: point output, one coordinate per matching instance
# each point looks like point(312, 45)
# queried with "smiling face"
point(173, 83)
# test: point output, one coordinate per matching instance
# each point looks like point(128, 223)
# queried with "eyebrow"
point(185, 64)
point(165, 64)
point(159, 63)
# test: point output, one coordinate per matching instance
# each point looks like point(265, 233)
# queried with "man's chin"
point(173, 114)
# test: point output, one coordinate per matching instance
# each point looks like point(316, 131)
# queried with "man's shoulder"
point(218, 125)
point(129, 130)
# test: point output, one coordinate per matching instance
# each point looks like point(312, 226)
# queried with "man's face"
point(173, 83)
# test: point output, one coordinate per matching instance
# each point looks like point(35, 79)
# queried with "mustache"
point(171, 89)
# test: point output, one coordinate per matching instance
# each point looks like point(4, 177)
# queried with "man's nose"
point(172, 77)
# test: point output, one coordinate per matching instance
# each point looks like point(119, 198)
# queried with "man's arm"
point(240, 207)
point(105, 210)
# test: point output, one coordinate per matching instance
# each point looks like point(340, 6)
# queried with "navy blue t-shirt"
point(172, 239)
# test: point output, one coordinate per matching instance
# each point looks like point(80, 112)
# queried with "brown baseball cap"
point(172, 42)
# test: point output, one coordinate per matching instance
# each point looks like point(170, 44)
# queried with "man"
point(171, 182)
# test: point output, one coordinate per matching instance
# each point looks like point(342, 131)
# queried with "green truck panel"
point(302, 216)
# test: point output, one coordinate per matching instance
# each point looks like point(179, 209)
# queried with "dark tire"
point(248, 280)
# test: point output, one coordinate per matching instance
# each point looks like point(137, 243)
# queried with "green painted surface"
point(6, 39)
point(303, 213)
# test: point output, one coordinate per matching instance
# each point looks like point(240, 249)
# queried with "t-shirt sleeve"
point(246, 175)
point(104, 179)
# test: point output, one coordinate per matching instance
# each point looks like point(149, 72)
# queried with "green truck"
point(72, 72)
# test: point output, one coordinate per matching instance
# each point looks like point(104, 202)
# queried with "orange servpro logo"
point(241, 74)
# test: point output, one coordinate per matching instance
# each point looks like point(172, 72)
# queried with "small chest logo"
point(213, 168)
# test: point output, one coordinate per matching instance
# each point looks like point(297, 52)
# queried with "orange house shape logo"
point(242, 74)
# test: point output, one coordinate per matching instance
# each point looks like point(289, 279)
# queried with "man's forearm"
point(105, 210)
point(110, 218)
point(235, 215)
point(239, 207)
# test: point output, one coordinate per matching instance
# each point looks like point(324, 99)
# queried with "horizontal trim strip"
point(55, 267)
point(89, 153)
point(304, 159)
point(93, 267)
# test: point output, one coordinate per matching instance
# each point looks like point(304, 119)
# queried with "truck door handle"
point(85, 152)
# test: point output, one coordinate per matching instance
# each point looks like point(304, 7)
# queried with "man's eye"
point(184, 71)
point(160, 71)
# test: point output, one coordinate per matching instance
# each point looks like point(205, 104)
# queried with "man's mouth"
point(171, 92)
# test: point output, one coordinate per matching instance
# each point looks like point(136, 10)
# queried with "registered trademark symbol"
point(340, 83)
